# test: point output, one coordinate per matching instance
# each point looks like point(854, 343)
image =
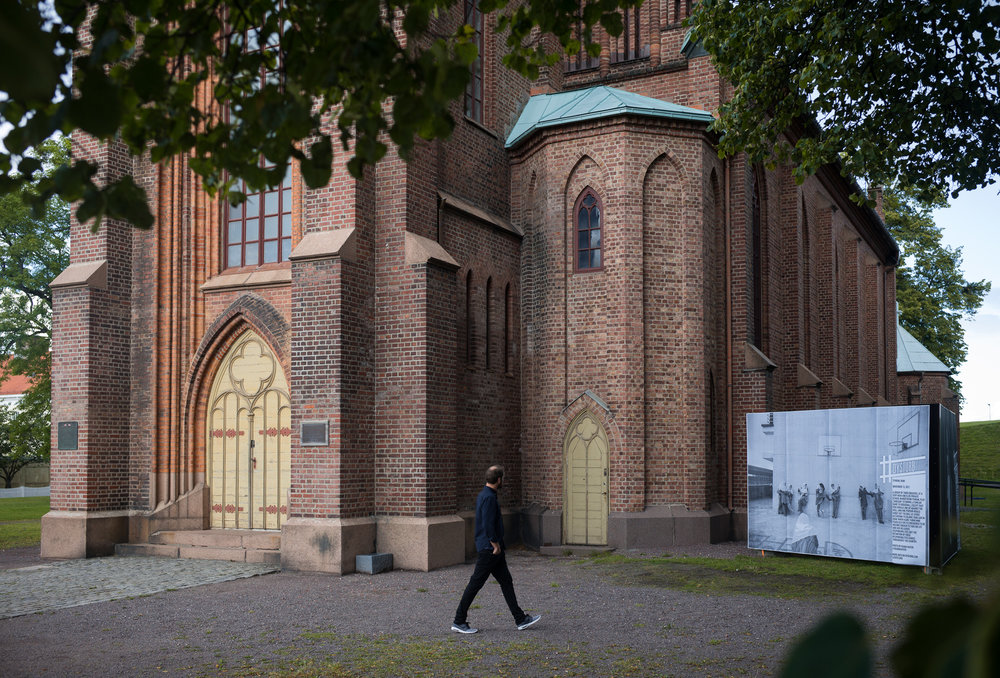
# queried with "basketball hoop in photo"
point(829, 446)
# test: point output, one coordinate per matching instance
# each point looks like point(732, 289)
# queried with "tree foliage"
point(34, 248)
point(955, 638)
point(180, 78)
point(24, 439)
point(932, 292)
point(903, 91)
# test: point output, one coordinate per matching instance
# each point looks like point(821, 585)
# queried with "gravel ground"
point(397, 623)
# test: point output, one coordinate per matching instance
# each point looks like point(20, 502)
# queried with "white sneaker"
point(465, 628)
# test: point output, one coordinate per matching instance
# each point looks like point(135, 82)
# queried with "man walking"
point(490, 558)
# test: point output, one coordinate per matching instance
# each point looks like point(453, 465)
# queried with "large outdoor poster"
point(848, 483)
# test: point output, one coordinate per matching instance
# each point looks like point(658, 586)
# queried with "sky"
point(972, 222)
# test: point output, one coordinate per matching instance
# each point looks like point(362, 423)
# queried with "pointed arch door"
point(249, 438)
point(585, 454)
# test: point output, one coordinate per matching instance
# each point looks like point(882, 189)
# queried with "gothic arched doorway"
point(585, 454)
point(248, 430)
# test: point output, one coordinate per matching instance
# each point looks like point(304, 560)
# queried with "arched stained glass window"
point(589, 232)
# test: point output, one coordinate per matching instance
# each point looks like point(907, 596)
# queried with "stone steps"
point(249, 546)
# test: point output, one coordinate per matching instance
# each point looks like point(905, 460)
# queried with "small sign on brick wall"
point(68, 435)
point(314, 433)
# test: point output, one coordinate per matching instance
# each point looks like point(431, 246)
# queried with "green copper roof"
point(551, 110)
point(912, 356)
point(692, 48)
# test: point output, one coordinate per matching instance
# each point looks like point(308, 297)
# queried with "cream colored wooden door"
point(586, 478)
point(249, 438)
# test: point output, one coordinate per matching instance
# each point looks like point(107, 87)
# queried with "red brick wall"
point(91, 359)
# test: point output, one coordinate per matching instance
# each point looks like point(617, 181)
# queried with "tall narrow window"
point(682, 10)
point(259, 231)
point(629, 45)
point(807, 304)
point(757, 281)
point(489, 323)
point(581, 60)
point(474, 90)
point(469, 321)
point(506, 328)
point(589, 232)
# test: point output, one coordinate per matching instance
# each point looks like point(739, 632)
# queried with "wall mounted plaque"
point(68, 435)
point(314, 433)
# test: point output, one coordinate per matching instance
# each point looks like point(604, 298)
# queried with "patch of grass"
point(21, 521)
point(384, 656)
point(779, 577)
point(23, 533)
point(814, 577)
point(318, 635)
point(23, 508)
point(980, 449)
point(397, 657)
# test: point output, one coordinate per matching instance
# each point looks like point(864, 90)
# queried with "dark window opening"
point(581, 60)
point(469, 321)
point(757, 290)
point(589, 232)
point(489, 323)
point(506, 328)
point(679, 7)
point(474, 90)
point(629, 43)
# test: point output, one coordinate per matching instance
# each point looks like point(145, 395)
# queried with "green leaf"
point(836, 648)
point(936, 642)
point(316, 168)
point(126, 201)
point(98, 110)
point(31, 67)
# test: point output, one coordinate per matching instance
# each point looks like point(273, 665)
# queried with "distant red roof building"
point(15, 384)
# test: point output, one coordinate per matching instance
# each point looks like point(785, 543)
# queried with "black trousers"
point(487, 564)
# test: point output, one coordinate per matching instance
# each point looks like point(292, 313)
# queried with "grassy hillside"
point(980, 449)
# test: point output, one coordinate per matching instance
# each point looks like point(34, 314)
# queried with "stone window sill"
point(260, 277)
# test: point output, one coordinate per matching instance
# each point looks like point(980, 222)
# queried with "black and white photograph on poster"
point(846, 483)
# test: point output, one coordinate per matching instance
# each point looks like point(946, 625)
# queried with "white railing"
point(24, 492)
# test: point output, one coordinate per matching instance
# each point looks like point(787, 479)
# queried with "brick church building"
point(573, 285)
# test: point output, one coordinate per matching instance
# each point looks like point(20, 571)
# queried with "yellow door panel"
point(249, 438)
point(585, 453)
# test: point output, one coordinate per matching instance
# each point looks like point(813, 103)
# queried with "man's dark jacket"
point(489, 521)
